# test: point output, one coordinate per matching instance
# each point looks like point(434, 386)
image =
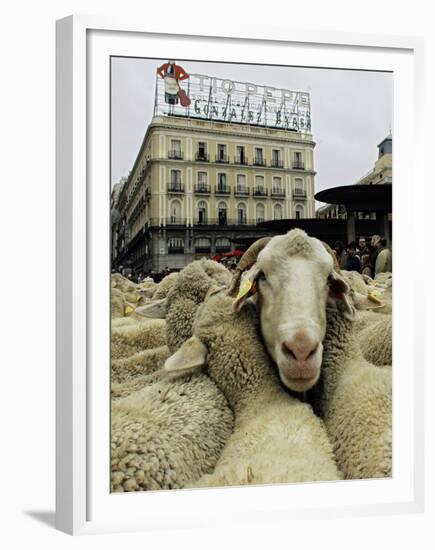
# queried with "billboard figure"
point(171, 74)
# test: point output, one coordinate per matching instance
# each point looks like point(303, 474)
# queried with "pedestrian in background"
point(384, 258)
point(340, 254)
point(353, 262)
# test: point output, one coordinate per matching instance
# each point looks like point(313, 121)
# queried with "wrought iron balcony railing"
point(260, 192)
point(201, 157)
point(259, 161)
point(175, 187)
point(175, 155)
point(222, 190)
point(277, 163)
point(299, 193)
point(241, 191)
point(224, 159)
point(241, 160)
point(202, 188)
point(298, 165)
point(277, 192)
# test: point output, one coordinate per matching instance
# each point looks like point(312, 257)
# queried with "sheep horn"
point(246, 261)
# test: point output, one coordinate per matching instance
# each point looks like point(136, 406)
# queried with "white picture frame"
point(84, 503)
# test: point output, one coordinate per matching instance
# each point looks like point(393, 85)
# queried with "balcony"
point(173, 220)
point(298, 165)
point(202, 189)
point(260, 192)
point(201, 156)
point(299, 194)
point(241, 160)
point(176, 250)
point(222, 190)
point(224, 222)
point(222, 159)
point(259, 161)
point(175, 187)
point(175, 155)
point(241, 191)
point(277, 192)
point(277, 163)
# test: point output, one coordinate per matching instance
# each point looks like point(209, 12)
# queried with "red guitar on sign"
point(172, 74)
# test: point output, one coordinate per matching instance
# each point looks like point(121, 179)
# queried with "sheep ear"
point(248, 287)
point(147, 292)
point(191, 355)
point(128, 309)
point(155, 310)
point(371, 301)
point(339, 294)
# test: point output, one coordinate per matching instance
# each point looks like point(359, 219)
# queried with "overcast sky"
point(351, 111)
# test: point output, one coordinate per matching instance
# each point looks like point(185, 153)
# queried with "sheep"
point(375, 341)
point(117, 304)
point(292, 279)
point(276, 438)
point(141, 363)
point(354, 399)
point(128, 340)
point(165, 285)
point(189, 291)
point(168, 433)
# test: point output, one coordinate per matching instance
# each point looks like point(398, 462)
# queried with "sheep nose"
point(300, 349)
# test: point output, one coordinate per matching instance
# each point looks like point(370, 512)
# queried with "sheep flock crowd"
point(203, 396)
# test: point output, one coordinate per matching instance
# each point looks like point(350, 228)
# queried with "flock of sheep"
point(277, 373)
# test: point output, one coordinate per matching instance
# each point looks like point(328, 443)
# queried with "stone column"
point(351, 235)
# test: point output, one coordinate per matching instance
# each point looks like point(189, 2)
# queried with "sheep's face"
point(295, 281)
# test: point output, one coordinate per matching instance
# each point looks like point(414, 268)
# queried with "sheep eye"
point(262, 277)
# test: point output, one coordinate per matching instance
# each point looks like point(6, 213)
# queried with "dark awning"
point(359, 198)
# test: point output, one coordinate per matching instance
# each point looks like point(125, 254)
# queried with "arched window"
point(277, 212)
point(299, 211)
point(202, 212)
point(175, 211)
point(222, 213)
point(241, 213)
point(260, 213)
point(202, 244)
point(222, 244)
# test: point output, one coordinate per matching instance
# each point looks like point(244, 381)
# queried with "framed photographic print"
point(230, 341)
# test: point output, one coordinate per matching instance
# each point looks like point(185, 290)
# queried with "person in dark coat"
point(353, 263)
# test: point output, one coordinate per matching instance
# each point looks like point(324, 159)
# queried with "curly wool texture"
point(129, 340)
point(375, 341)
point(143, 362)
point(276, 437)
point(189, 291)
point(354, 399)
point(165, 285)
point(117, 304)
point(168, 434)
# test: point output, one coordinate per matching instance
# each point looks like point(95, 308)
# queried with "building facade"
point(198, 184)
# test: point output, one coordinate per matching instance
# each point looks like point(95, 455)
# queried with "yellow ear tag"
point(128, 310)
point(245, 287)
point(374, 296)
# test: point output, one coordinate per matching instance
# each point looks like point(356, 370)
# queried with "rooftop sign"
point(224, 100)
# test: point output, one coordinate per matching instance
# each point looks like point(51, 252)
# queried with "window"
point(297, 163)
point(175, 210)
point(258, 156)
point(277, 184)
point(176, 177)
point(222, 242)
point(260, 213)
point(276, 158)
point(241, 213)
point(202, 181)
point(202, 212)
point(222, 213)
point(175, 151)
point(259, 184)
point(202, 151)
point(241, 183)
point(221, 153)
point(299, 188)
point(222, 182)
point(176, 244)
point(277, 212)
point(240, 154)
point(202, 243)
